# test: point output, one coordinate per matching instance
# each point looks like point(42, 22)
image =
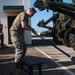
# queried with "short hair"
point(33, 9)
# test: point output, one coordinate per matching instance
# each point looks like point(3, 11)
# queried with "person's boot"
point(18, 65)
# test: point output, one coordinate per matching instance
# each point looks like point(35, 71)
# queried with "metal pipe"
point(72, 58)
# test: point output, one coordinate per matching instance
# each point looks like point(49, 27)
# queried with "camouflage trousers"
point(19, 44)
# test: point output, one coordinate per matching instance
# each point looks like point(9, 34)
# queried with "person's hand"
point(1, 33)
point(34, 31)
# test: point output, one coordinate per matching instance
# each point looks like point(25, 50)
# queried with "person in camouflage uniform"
point(17, 30)
point(1, 35)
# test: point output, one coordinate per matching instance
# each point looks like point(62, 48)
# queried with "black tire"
point(72, 40)
point(56, 40)
point(65, 39)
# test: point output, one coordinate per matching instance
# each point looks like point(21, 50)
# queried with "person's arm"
point(25, 25)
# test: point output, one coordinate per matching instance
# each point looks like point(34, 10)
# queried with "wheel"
point(72, 40)
point(65, 39)
point(56, 40)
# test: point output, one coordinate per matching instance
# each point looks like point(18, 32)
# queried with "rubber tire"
point(65, 39)
point(72, 40)
point(56, 40)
